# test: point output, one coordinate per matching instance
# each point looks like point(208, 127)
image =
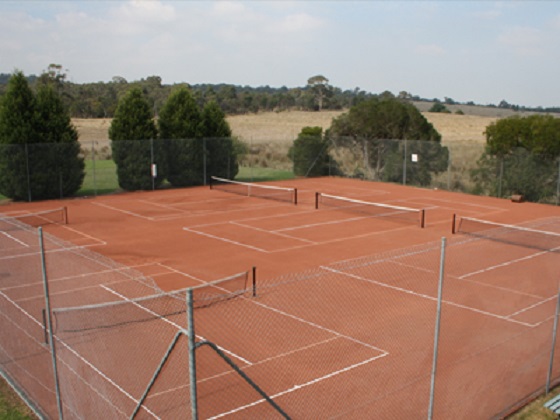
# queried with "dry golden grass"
point(285, 126)
point(92, 129)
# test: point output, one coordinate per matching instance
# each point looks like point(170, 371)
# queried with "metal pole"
point(554, 331)
point(448, 170)
point(437, 328)
point(204, 160)
point(28, 176)
point(192, 359)
point(153, 173)
point(404, 164)
point(93, 168)
point(501, 177)
point(558, 185)
point(49, 323)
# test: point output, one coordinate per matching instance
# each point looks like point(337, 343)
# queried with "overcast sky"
point(481, 51)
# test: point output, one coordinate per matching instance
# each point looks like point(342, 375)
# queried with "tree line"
point(188, 142)
point(100, 99)
point(40, 156)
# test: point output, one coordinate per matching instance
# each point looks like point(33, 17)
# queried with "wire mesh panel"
point(499, 297)
point(323, 343)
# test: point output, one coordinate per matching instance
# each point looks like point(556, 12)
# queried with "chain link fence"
point(458, 166)
point(459, 328)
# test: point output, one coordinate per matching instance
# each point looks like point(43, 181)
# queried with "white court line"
point(507, 263)
point(410, 292)
point(254, 248)
point(25, 313)
point(330, 222)
point(170, 322)
point(93, 238)
point(300, 386)
point(130, 213)
point(491, 286)
point(542, 302)
point(120, 270)
point(15, 239)
point(320, 327)
point(273, 232)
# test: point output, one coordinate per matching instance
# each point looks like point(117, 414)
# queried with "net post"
point(210, 182)
point(422, 218)
point(254, 281)
point(317, 200)
point(65, 214)
point(295, 196)
point(453, 220)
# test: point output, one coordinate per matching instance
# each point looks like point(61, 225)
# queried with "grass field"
point(11, 407)
point(282, 126)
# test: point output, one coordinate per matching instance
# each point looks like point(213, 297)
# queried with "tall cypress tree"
point(180, 128)
point(132, 133)
point(57, 168)
point(221, 159)
point(17, 128)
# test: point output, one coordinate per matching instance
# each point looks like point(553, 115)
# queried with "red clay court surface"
point(347, 356)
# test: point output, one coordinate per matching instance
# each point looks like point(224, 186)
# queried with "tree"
point(17, 129)
point(40, 150)
point(57, 170)
point(132, 133)
point(221, 156)
point(439, 107)
point(520, 156)
point(319, 85)
point(180, 126)
point(371, 128)
point(310, 153)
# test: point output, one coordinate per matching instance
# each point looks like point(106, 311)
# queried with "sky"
point(481, 51)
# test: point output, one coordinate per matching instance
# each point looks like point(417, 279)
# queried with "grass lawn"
point(101, 179)
point(11, 407)
point(262, 174)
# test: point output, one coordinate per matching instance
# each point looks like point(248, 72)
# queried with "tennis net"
point(47, 217)
point(371, 209)
point(160, 306)
point(510, 234)
point(248, 189)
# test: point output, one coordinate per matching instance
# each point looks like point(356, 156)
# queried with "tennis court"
point(342, 321)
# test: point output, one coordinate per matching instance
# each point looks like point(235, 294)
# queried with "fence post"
point(204, 161)
point(152, 166)
point(437, 328)
point(448, 169)
point(404, 164)
point(554, 331)
point(558, 185)
point(28, 175)
point(501, 177)
point(192, 359)
point(49, 323)
point(93, 167)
